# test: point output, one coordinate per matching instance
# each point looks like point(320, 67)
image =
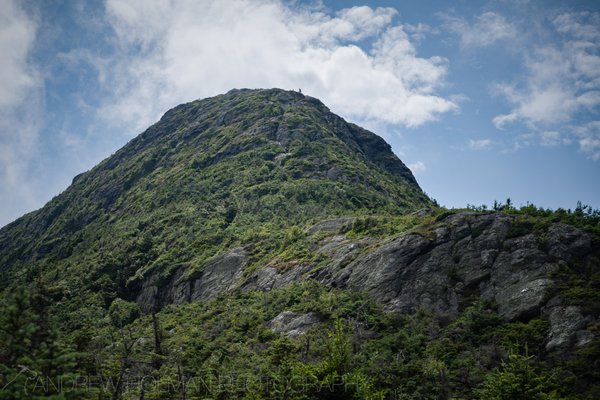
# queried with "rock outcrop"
point(293, 324)
point(567, 327)
point(465, 254)
point(218, 275)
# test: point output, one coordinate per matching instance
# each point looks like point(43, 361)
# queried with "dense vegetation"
point(258, 169)
point(225, 348)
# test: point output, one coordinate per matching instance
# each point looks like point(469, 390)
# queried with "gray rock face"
point(270, 278)
point(522, 299)
point(147, 297)
point(293, 324)
point(566, 242)
point(335, 173)
point(394, 275)
point(220, 274)
point(567, 325)
point(340, 252)
point(330, 226)
point(176, 292)
point(423, 212)
point(465, 252)
point(337, 249)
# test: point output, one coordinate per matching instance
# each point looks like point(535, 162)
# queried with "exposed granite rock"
point(337, 249)
point(293, 324)
point(147, 297)
point(519, 278)
point(340, 251)
point(220, 274)
point(335, 173)
point(330, 226)
point(179, 291)
point(269, 278)
point(566, 242)
point(466, 251)
point(583, 337)
point(566, 327)
point(392, 275)
point(423, 212)
point(522, 299)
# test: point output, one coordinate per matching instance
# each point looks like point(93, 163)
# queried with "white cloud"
point(350, 24)
point(417, 167)
point(20, 90)
point(419, 31)
point(521, 141)
point(582, 25)
point(558, 85)
point(562, 82)
point(552, 138)
point(480, 144)
point(487, 29)
point(16, 37)
point(588, 137)
point(172, 52)
point(591, 146)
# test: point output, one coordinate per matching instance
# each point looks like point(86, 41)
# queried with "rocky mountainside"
point(438, 266)
point(206, 176)
point(257, 238)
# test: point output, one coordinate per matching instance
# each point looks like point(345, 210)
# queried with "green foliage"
point(35, 362)
point(337, 354)
point(474, 324)
point(533, 218)
point(516, 379)
point(383, 226)
point(123, 312)
point(207, 177)
point(581, 372)
point(530, 335)
point(224, 348)
point(578, 284)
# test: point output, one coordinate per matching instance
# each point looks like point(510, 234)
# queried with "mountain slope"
point(206, 174)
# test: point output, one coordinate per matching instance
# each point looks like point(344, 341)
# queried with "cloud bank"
point(485, 30)
point(172, 52)
point(20, 91)
point(562, 86)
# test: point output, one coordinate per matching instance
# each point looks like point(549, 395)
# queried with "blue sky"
point(483, 100)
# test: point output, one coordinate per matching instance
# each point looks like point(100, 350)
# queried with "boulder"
point(293, 324)
point(566, 325)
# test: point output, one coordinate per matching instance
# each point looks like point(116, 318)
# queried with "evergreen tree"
point(516, 379)
point(34, 362)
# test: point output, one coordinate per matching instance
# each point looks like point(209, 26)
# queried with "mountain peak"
point(288, 127)
point(224, 164)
